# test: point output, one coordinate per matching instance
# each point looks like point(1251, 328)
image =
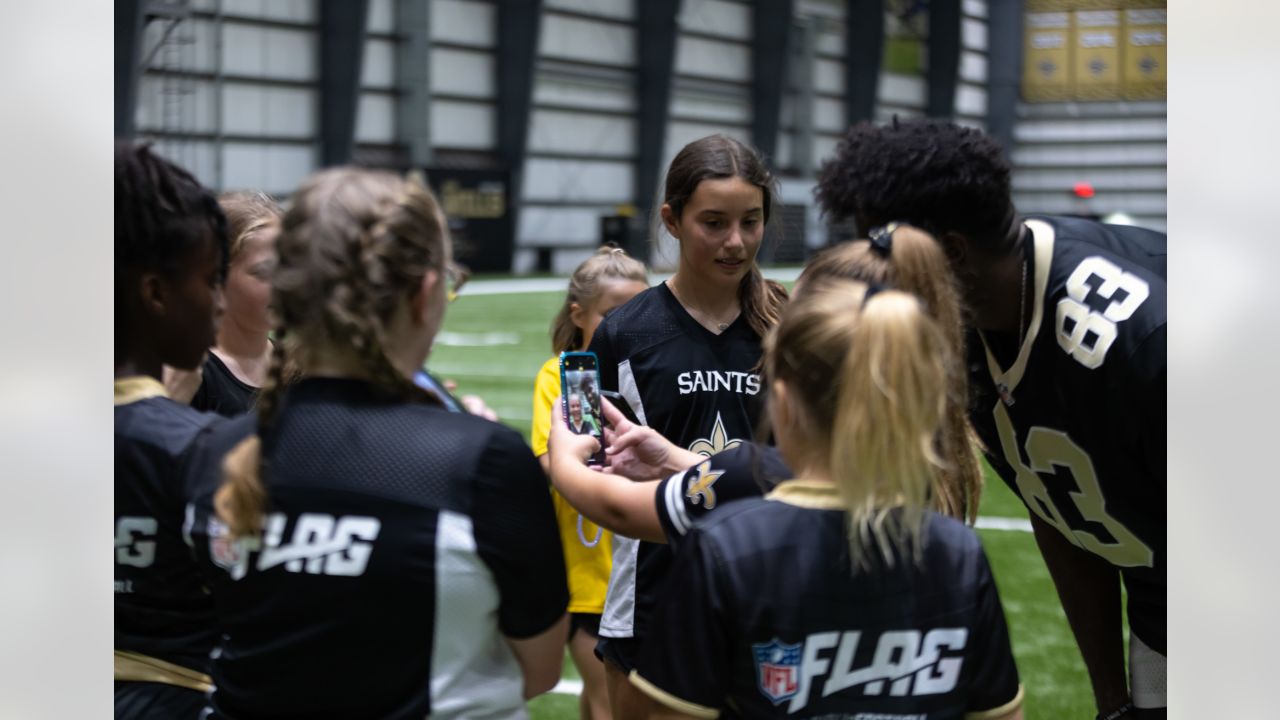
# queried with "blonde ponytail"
point(876, 434)
point(889, 403)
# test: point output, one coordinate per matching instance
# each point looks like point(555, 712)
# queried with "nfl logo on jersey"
point(777, 669)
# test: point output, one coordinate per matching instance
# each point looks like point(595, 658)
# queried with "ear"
point(153, 291)
point(956, 246)
point(577, 315)
point(783, 415)
point(421, 302)
point(670, 220)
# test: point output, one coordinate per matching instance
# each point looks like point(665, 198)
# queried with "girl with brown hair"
point(685, 353)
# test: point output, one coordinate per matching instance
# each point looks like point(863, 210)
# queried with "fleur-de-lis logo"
point(718, 442)
point(700, 491)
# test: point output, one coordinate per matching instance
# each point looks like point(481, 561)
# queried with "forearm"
point(615, 503)
point(1089, 588)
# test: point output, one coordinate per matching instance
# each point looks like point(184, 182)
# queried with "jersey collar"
point(1042, 239)
point(812, 494)
point(138, 387)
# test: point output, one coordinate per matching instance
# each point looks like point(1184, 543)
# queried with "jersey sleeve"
point(602, 345)
point(994, 683)
point(691, 614)
point(545, 391)
point(748, 470)
point(516, 535)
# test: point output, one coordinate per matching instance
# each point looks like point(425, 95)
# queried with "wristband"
point(1117, 713)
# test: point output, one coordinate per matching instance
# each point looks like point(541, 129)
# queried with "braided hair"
point(353, 245)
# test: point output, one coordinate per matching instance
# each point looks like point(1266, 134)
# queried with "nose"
point(735, 237)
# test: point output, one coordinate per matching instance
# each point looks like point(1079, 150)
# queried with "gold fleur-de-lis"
point(718, 442)
point(700, 490)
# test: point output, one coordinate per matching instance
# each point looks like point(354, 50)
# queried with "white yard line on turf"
point(509, 286)
point(568, 687)
point(1003, 523)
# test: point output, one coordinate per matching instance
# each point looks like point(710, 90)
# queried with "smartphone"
point(623, 406)
point(580, 391)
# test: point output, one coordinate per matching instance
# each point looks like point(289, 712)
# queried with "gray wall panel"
point(470, 22)
point(463, 125)
point(554, 131)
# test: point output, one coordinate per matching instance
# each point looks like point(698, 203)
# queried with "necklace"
point(723, 326)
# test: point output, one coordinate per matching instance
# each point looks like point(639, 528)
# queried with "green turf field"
point(493, 345)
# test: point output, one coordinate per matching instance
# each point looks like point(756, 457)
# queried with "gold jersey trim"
point(813, 494)
point(138, 387)
point(144, 668)
point(997, 712)
point(671, 701)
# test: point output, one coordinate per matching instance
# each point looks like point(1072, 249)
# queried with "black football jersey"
point(746, 471)
point(400, 544)
point(699, 390)
point(767, 617)
point(162, 608)
point(1075, 421)
point(221, 391)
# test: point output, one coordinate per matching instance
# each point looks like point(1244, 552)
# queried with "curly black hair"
point(162, 212)
point(936, 175)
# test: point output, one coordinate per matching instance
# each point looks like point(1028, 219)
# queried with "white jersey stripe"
point(473, 671)
point(675, 505)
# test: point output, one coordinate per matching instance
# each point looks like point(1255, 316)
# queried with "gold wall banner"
point(1096, 39)
point(1046, 65)
point(1145, 54)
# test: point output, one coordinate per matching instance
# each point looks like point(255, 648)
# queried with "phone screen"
point(580, 388)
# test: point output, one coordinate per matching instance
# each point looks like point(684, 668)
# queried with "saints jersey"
point(699, 390)
point(401, 543)
point(1074, 418)
point(161, 607)
point(746, 471)
point(767, 617)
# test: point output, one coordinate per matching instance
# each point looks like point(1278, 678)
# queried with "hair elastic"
point(873, 289)
point(882, 237)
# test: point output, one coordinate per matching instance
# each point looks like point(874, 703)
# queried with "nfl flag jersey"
point(401, 543)
point(162, 610)
point(767, 618)
point(698, 389)
point(1073, 420)
point(746, 471)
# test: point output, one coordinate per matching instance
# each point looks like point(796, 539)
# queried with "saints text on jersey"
point(717, 380)
point(904, 663)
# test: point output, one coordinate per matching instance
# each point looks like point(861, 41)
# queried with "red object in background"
point(1083, 190)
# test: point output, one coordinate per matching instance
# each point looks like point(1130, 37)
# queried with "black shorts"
point(146, 700)
point(588, 623)
point(621, 652)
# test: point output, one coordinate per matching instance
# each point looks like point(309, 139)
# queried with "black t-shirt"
point(161, 606)
point(698, 389)
point(401, 543)
point(221, 391)
point(766, 617)
point(1081, 434)
point(746, 471)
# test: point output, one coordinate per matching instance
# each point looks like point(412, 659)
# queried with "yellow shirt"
point(588, 554)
